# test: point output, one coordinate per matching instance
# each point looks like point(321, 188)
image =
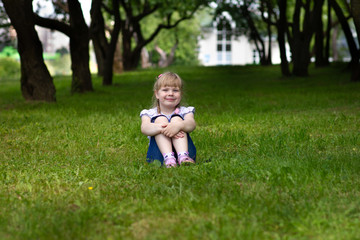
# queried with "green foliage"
point(9, 68)
point(238, 11)
point(187, 33)
point(277, 159)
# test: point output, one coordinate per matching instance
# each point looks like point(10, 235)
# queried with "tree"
point(328, 33)
point(166, 59)
point(78, 32)
point(97, 34)
point(355, 10)
point(248, 19)
point(302, 33)
point(36, 82)
point(355, 55)
point(133, 40)
point(104, 50)
point(278, 18)
point(128, 18)
point(173, 46)
point(319, 39)
point(282, 26)
point(265, 59)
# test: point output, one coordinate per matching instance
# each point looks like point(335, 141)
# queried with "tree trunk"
point(110, 50)
point(348, 34)
point(268, 57)
point(36, 82)
point(355, 10)
point(79, 48)
point(328, 35)
point(78, 33)
point(105, 52)
point(145, 58)
point(129, 62)
point(118, 63)
point(255, 35)
point(131, 58)
point(300, 55)
point(165, 59)
point(302, 39)
point(281, 28)
point(319, 39)
point(97, 34)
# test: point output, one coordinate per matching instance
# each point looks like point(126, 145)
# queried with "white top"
point(182, 111)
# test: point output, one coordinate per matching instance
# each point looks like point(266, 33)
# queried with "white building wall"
point(207, 49)
point(242, 50)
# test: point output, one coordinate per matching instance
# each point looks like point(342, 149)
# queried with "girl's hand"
point(180, 134)
point(171, 129)
point(160, 127)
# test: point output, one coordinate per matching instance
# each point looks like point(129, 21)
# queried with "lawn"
point(277, 159)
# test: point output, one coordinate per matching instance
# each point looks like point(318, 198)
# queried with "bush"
point(9, 68)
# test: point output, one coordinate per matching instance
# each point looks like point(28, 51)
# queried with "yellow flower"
point(90, 188)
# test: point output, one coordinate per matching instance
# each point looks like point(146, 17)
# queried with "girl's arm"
point(176, 125)
point(151, 129)
point(189, 123)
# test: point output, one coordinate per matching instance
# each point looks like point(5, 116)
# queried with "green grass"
point(277, 159)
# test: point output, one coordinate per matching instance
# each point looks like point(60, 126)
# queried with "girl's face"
point(169, 97)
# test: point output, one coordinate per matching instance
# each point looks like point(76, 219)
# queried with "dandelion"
point(354, 149)
point(90, 188)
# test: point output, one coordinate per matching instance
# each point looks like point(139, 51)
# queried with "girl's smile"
point(169, 97)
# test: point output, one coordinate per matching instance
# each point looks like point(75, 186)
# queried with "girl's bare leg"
point(163, 142)
point(180, 144)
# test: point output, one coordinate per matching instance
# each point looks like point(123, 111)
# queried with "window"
point(228, 47)
point(224, 33)
point(219, 56)
point(228, 58)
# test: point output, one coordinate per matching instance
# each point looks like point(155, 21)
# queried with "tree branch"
point(147, 11)
point(167, 26)
point(52, 24)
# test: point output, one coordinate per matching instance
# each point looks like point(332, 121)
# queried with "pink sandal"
point(170, 162)
point(185, 160)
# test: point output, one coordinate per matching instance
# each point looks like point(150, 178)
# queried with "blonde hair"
point(167, 79)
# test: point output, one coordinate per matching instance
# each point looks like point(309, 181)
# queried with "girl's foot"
point(185, 160)
point(170, 162)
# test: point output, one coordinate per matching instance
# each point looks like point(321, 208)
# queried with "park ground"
point(277, 159)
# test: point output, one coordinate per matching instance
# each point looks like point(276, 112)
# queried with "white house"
point(219, 46)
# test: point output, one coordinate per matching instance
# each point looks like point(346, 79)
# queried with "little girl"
point(168, 124)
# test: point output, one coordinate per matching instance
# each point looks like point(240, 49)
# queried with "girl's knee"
point(176, 119)
point(161, 119)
